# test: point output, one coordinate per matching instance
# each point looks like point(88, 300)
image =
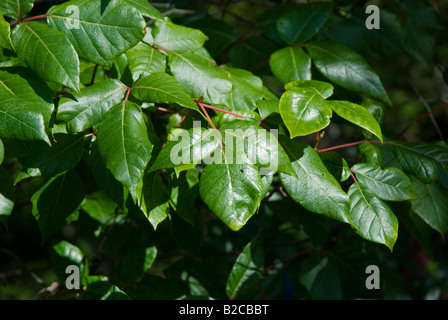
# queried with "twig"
point(428, 108)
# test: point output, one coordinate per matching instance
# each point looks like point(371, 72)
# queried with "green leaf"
point(243, 281)
point(16, 8)
point(253, 54)
point(87, 108)
point(6, 195)
point(23, 120)
point(143, 60)
point(267, 107)
point(247, 89)
point(220, 34)
point(24, 114)
point(303, 22)
point(232, 191)
point(247, 142)
point(5, 33)
point(370, 153)
point(356, 114)
point(325, 89)
point(421, 159)
point(304, 111)
point(320, 277)
point(104, 177)
point(124, 144)
point(146, 9)
point(290, 63)
point(55, 202)
point(47, 52)
point(100, 207)
point(315, 189)
point(175, 37)
point(136, 262)
point(431, 204)
point(195, 145)
point(153, 198)
point(389, 184)
point(346, 68)
point(63, 155)
point(199, 76)
point(336, 165)
point(2, 151)
point(63, 254)
point(162, 88)
point(102, 32)
point(371, 217)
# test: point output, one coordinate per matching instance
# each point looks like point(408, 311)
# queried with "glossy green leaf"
point(247, 89)
point(47, 52)
point(249, 143)
point(56, 201)
point(315, 189)
point(25, 115)
point(124, 144)
point(422, 159)
point(232, 191)
point(146, 9)
point(356, 114)
point(154, 199)
point(162, 88)
point(376, 108)
point(303, 22)
point(175, 37)
point(100, 207)
point(431, 204)
point(63, 155)
point(64, 254)
point(200, 77)
point(370, 153)
point(336, 165)
point(389, 184)
point(5, 33)
point(23, 120)
point(6, 195)
point(102, 32)
point(268, 107)
point(325, 89)
point(187, 147)
point(243, 281)
point(346, 68)
point(143, 60)
point(16, 8)
point(372, 218)
point(87, 108)
point(289, 64)
point(304, 111)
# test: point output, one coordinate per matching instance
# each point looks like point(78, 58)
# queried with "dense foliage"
point(311, 147)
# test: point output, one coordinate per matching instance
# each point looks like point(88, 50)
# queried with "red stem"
point(127, 96)
point(353, 177)
point(211, 122)
point(206, 114)
point(219, 109)
point(158, 48)
point(348, 145)
point(30, 18)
